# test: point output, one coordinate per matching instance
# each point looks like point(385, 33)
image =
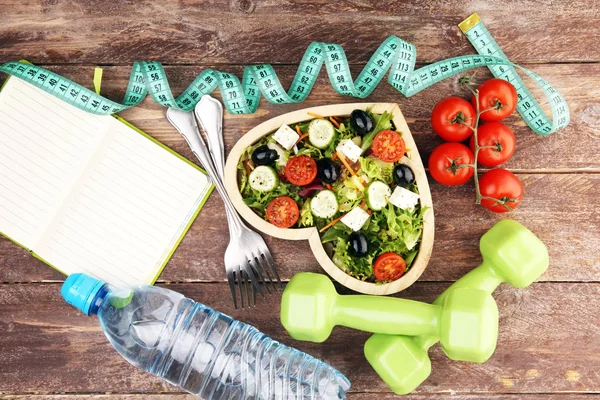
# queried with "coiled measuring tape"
point(243, 97)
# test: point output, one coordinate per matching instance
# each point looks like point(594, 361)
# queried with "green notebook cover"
point(151, 279)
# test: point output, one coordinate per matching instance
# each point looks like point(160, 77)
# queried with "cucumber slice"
point(321, 133)
point(324, 204)
point(283, 157)
point(263, 178)
point(377, 195)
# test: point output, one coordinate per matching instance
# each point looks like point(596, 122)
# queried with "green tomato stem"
point(476, 148)
point(467, 82)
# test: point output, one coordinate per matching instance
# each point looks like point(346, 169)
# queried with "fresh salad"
point(344, 176)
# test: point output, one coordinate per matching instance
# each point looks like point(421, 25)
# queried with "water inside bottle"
point(209, 354)
point(147, 333)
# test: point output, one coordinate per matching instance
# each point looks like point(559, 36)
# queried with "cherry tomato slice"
point(388, 146)
point(301, 170)
point(283, 212)
point(389, 267)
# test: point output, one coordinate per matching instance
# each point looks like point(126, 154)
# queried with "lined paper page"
point(44, 147)
point(128, 212)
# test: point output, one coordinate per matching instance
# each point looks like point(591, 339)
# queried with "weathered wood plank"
point(574, 148)
point(189, 32)
point(548, 342)
point(560, 208)
point(574, 221)
point(351, 396)
point(550, 333)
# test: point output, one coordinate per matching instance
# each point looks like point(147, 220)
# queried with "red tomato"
point(388, 146)
point(498, 94)
point(447, 164)
point(501, 140)
point(502, 185)
point(452, 119)
point(389, 267)
point(301, 170)
point(283, 212)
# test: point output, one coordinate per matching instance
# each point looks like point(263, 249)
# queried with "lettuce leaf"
point(360, 268)
point(310, 150)
point(389, 230)
point(338, 231)
point(376, 169)
point(350, 193)
point(306, 217)
point(382, 122)
point(345, 131)
point(259, 201)
point(247, 154)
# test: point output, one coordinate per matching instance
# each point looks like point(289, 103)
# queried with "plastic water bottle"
point(202, 351)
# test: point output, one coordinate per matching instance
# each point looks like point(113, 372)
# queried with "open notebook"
point(89, 193)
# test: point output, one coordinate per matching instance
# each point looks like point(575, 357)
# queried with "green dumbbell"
point(511, 253)
point(466, 321)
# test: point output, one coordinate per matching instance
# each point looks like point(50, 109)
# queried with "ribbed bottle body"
point(209, 354)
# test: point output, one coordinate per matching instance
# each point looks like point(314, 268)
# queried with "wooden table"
point(549, 342)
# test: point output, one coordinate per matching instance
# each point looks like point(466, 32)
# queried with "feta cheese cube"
point(404, 198)
point(286, 136)
point(349, 149)
point(355, 219)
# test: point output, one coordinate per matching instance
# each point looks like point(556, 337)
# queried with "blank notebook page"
point(127, 206)
point(45, 145)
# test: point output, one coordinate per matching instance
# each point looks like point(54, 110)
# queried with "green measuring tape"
point(243, 97)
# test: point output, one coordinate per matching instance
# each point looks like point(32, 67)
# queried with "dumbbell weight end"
point(484, 277)
point(511, 253)
point(406, 373)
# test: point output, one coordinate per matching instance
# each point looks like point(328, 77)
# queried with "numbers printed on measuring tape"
point(243, 97)
point(527, 106)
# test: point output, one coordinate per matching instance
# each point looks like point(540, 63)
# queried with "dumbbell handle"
point(387, 315)
point(484, 277)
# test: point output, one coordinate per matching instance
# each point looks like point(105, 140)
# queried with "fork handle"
point(201, 152)
point(185, 123)
point(209, 115)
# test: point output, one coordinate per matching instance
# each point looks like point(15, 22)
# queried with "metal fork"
point(247, 258)
point(209, 115)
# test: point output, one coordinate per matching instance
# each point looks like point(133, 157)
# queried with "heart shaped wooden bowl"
point(413, 160)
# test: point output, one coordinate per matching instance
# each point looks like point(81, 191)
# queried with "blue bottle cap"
point(80, 290)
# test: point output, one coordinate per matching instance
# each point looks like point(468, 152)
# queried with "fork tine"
point(243, 287)
point(240, 283)
point(263, 273)
point(231, 280)
point(268, 275)
point(267, 255)
point(253, 291)
point(262, 280)
point(255, 273)
point(246, 284)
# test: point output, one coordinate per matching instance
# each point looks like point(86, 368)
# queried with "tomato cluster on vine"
point(456, 120)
